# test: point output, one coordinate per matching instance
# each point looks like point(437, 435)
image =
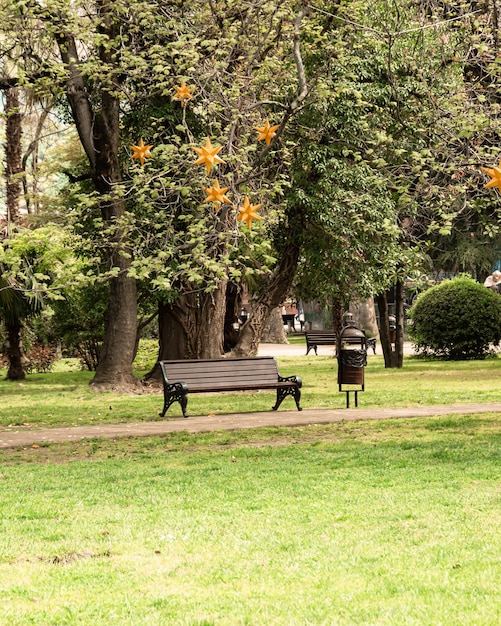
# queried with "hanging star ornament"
point(208, 155)
point(248, 212)
point(495, 174)
point(141, 151)
point(183, 93)
point(266, 132)
point(216, 194)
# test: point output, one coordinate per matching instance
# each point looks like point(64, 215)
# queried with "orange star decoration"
point(183, 93)
point(248, 212)
point(141, 151)
point(216, 194)
point(208, 155)
point(495, 174)
point(266, 132)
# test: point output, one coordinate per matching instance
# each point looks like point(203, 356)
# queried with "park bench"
point(316, 338)
point(217, 375)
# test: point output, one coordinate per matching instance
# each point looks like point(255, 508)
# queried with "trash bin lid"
point(352, 332)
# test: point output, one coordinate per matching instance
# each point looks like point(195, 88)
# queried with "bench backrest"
point(221, 373)
point(320, 334)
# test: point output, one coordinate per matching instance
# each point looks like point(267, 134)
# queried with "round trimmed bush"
point(458, 319)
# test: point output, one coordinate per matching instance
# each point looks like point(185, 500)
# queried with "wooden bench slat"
point(227, 368)
point(216, 385)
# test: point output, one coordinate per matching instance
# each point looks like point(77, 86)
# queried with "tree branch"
point(77, 95)
point(302, 91)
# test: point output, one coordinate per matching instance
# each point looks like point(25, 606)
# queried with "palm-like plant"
point(15, 307)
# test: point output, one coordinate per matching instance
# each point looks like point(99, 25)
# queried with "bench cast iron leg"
point(175, 393)
point(283, 392)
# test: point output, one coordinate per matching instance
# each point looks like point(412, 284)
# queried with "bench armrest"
point(290, 379)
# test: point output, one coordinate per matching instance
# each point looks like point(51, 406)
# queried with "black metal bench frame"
point(316, 338)
point(217, 375)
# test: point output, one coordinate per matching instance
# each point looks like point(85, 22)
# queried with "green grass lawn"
point(386, 522)
point(356, 523)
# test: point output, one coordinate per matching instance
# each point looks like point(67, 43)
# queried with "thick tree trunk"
point(275, 292)
point(393, 354)
point(337, 309)
point(191, 328)
point(14, 352)
point(210, 328)
point(175, 326)
point(365, 313)
point(274, 331)
point(114, 368)
point(13, 131)
point(97, 121)
point(115, 361)
point(13, 134)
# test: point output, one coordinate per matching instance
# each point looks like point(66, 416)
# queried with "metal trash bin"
point(352, 359)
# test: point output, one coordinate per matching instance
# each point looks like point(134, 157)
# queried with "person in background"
point(494, 281)
point(300, 317)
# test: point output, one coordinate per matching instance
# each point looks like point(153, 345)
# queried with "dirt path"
point(18, 437)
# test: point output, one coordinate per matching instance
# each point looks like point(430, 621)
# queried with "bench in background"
point(214, 375)
point(316, 338)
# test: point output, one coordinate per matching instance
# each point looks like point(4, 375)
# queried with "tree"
point(13, 132)
point(94, 102)
point(97, 79)
point(12, 303)
point(471, 240)
point(205, 248)
point(396, 108)
point(14, 309)
point(34, 265)
point(358, 112)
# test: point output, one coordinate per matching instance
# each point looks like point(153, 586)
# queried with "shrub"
point(40, 359)
point(458, 319)
point(78, 322)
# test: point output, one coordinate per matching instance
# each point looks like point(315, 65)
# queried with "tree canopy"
point(352, 134)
